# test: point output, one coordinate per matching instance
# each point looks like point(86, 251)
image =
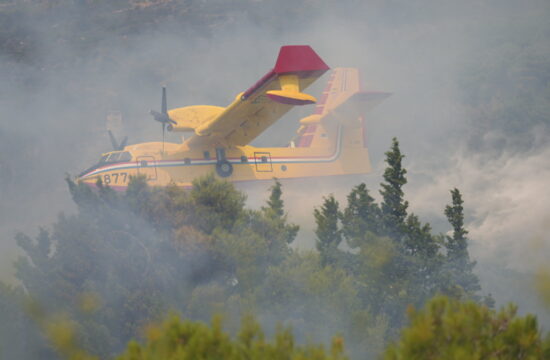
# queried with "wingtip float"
point(331, 141)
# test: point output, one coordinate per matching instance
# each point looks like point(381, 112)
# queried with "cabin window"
point(244, 159)
point(143, 163)
point(187, 161)
point(207, 155)
point(264, 159)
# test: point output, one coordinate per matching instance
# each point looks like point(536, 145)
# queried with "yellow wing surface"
point(254, 110)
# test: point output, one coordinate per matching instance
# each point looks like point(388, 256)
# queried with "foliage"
point(139, 252)
point(275, 210)
point(542, 283)
point(396, 260)
point(449, 329)
point(361, 215)
point(456, 245)
point(125, 259)
point(177, 339)
point(458, 263)
point(329, 236)
point(19, 339)
point(394, 207)
point(275, 203)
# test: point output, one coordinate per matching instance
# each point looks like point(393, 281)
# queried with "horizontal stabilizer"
point(290, 98)
point(290, 93)
point(370, 97)
point(356, 105)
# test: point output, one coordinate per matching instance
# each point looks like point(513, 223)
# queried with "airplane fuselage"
point(337, 152)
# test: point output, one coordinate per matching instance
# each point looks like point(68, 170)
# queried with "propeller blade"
point(160, 117)
point(113, 140)
point(116, 145)
point(164, 109)
point(123, 143)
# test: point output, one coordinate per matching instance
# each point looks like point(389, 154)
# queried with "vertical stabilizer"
point(343, 102)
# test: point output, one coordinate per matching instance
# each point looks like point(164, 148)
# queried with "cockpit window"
point(103, 159)
point(115, 157)
point(125, 156)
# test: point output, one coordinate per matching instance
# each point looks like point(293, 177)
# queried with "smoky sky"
point(74, 66)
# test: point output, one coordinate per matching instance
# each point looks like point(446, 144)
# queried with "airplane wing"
point(260, 106)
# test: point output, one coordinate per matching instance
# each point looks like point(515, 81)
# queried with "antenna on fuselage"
point(162, 117)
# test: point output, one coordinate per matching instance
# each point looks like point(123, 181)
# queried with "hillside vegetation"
point(101, 277)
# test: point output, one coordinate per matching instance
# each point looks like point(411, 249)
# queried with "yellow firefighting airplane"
point(331, 141)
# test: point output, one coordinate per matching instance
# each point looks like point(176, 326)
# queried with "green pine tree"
point(329, 235)
point(457, 246)
point(361, 215)
point(275, 210)
point(216, 203)
point(459, 265)
point(419, 240)
point(394, 207)
point(275, 203)
point(424, 263)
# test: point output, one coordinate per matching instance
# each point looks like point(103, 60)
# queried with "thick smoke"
point(77, 68)
point(506, 198)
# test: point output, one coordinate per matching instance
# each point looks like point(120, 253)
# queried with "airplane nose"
point(82, 175)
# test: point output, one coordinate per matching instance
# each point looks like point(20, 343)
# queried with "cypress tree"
point(394, 207)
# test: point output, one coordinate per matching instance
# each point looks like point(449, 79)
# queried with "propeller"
point(162, 117)
point(116, 145)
